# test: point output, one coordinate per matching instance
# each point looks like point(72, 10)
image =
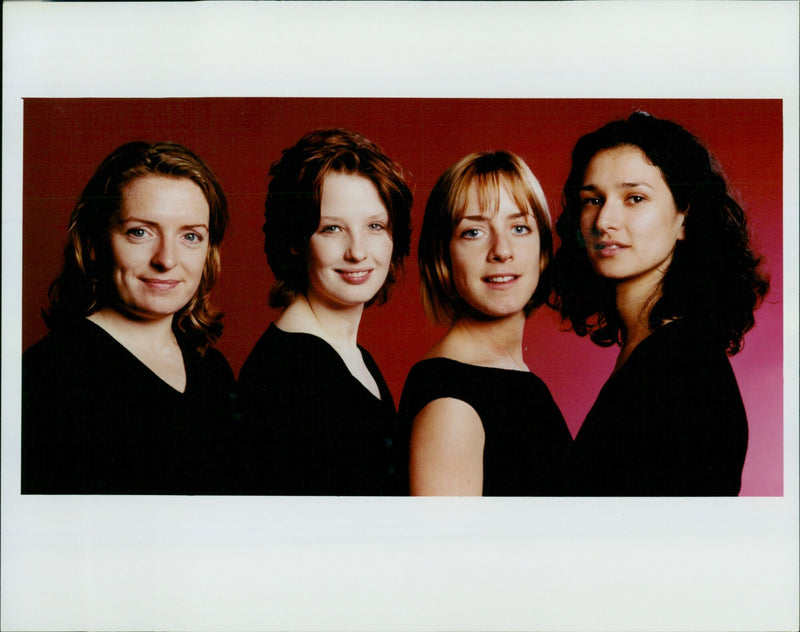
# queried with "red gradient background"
point(66, 139)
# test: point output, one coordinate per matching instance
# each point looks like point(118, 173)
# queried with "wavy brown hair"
point(292, 207)
point(714, 276)
point(85, 284)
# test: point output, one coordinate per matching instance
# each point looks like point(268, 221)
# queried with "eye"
point(330, 229)
point(590, 201)
point(194, 238)
point(521, 229)
point(377, 226)
point(636, 199)
point(136, 233)
point(471, 233)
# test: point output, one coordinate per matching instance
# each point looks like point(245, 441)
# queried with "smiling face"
point(495, 256)
point(350, 253)
point(629, 220)
point(159, 241)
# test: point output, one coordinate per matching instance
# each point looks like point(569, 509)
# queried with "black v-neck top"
point(316, 429)
point(526, 437)
point(669, 422)
point(96, 420)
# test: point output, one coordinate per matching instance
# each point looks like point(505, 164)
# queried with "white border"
point(269, 563)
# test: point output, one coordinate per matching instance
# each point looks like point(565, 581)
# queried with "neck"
point(634, 303)
point(153, 333)
point(495, 343)
point(306, 314)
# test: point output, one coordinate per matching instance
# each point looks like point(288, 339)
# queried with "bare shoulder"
point(447, 441)
point(453, 346)
point(296, 319)
point(448, 417)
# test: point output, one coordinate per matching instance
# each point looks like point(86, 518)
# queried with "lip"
point(500, 281)
point(162, 285)
point(355, 277)
point(608, 248)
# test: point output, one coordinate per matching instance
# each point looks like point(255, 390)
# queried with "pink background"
point(65, 140)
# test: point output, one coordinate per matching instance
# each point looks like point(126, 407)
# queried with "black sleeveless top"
point(526, 436)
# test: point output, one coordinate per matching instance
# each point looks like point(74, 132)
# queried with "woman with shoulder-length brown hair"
point(480, 422)
point(337, 229)
point(125, 394)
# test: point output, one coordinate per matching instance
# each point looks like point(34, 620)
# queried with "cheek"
point(585, 226)
point(386, 248)
point(457, 260)
point(381, 247)
point(461, 272)
point(318, 254)
point(125, 259)
point(200, 261)
point(535, 254)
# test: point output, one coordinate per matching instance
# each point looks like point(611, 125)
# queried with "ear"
point(682, 230)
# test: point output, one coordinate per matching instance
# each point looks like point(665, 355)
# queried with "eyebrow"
point(485, 218)
point(336, 218)
point(620, 185)
point(148, 222)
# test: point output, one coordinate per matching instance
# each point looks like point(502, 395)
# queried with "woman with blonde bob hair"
point(480, 421)
point(125, 395)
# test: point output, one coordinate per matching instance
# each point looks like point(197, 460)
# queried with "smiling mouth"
point(608, 249)
point(500, 279)
point(355, 276)
point(160, 284)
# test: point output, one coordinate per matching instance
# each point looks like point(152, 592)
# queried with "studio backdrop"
point(66, 139)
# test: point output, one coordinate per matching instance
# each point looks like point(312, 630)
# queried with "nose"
point(355, 248)
point(608, 217)
point(500, 249)
point(164, 257)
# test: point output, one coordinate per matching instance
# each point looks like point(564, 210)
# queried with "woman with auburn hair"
point(655, 257)
point(125, 395)
point(337, 229)
point(481, 422)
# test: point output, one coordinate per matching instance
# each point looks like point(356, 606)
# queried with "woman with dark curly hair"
point(655, 257)
point(125, 395)
point(337, 229)
point(480, 422)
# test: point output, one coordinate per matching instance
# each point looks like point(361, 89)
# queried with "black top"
point(96, 420)
point(317, 429)
point(525, 434)
point(669, 422)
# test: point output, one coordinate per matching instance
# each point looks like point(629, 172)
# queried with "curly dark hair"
point(85, 284)
point(713, 277)
point(292, 207)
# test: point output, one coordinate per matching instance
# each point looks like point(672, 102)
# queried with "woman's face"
point(350, 253)
point(159, 242)
point(629, 220)
point(495, 256)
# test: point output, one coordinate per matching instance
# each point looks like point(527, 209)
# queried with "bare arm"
point(447, 442)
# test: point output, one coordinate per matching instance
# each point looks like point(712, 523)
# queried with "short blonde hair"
point(446, 207)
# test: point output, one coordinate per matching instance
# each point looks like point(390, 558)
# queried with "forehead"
point(165, 196)
point(622, 164)
point(488, 195)
point(341, 192)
